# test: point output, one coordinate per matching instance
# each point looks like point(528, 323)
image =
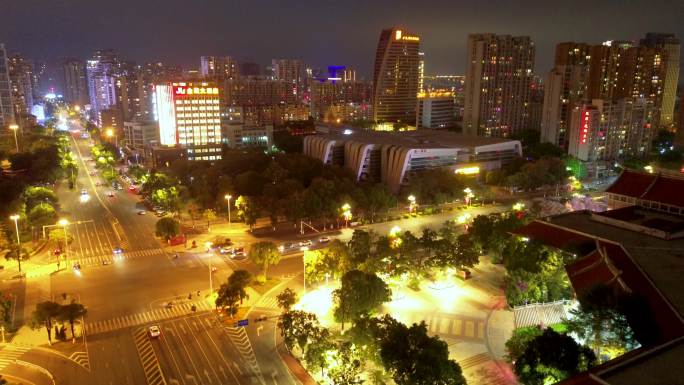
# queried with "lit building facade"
point(497, 90)
point(189, 117)
point(75, 82)
point(102, 71)
point(6, 105)
point(436, 110)
point(670, 46)
point(396, 77)
point(219, 67)
point(610, 130)
point(290, 72)
point(392, 158)
point(22, 82)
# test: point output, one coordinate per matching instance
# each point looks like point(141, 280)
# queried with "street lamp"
point(346, 214)
point(228, 198)
point(469, 195)
point(211, 282)
point(110, 132)
point(64, 223)
point(14, 128)
point(412, 203)
point(15, 218)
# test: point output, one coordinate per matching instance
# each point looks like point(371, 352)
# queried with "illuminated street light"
point(648, 168)
point(519, 206)
point(412, 203)
point(15, 218)
point(112, 133)
point(346, 213)
point(228, 197)
point(469, 195)
point(14, 128)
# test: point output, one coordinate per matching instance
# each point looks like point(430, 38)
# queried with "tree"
point(167, 228)
point(296, 327)
point(36, 195)
point(359, 247)
point(286, 299)
point(415, 358)
point(192, 211)
point(44, 315)
point(42, 215)
point(71, 313)
point(210, 215)
point(516, 345)
point(17, 254)
point(320, 343)
point(552, 357)
point(264, 254)
point(247, 210)
point(233, 292)
point(348, 368)
point(359, 295)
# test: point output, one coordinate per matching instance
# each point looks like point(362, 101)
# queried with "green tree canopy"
point(42, 215)
point(264, 254)
point(359, 295)
point(167, 228)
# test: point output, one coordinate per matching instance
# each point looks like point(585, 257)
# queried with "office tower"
point(536, 105)
point(608, 130)
point(250, 69)
point(102, 71)
point(22, 84)
point(6, 105)
point(670, 47)
point(396, 77)
point(219, 68)
point(189, 117)
point(289, 71)
point(436, 109)
point(564, 86)
point(75, 82)
point(498, 78)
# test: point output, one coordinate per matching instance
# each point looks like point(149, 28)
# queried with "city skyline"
point(65, 28)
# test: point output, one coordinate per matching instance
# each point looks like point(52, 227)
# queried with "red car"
point(57, 252)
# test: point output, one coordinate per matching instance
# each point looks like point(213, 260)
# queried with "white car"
point(226, 250)
point(154, 331)
point(306, 243)
point(323, 239)
point(142, 212)
point(84, 192)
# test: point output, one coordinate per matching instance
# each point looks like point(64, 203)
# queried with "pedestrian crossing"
point(450, 325)
point(475, 360)
point(148, 359)
point(113, 258)
point(267, 303)
point(145, 317)
point(10, 354)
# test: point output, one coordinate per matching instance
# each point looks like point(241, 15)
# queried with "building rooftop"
point(653, 187)
point(411, 139)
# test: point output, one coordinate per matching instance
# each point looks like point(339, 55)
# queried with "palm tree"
point(71, 313)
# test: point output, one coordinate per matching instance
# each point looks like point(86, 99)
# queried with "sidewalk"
point(293, 365)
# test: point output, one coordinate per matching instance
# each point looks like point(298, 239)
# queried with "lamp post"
point(110, 132)
point(412, 203)
point(228, 197)
point(14, 128)
point(346, 214)
point(64, 223)
point(15, 218)
point(469, 195)
point(211, 281)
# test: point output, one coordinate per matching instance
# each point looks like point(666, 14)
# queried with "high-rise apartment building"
point(564, 86)
point(436, 109)
point(290, 72)
point(498, 78)
point(102, 71)
point(219, 68)
point(670, 46)
point(396, 77)
point(75, 82)
point(6, 105)
point(190, 118)
point(22, 83)
point(608, 130)
point(250, 69)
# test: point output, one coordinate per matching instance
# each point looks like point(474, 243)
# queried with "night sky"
point(318, 32)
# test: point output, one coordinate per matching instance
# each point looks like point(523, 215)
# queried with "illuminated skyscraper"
point(6, 106)
point(396, 77)
point(189, 117)
point(290, 72)
point(102, 70)
point(670, 46)
point(22, 83)
point(218, 67)
point(75, 83)
point(498, 79)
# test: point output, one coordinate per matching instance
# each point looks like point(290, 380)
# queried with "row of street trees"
point(105, 156)
point(379, 347)
point(48, 312)
point(400, 254)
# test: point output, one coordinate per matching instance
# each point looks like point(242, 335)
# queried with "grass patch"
point(261, 286)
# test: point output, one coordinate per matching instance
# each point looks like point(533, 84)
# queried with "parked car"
point(142, 212)
point(238, 253)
